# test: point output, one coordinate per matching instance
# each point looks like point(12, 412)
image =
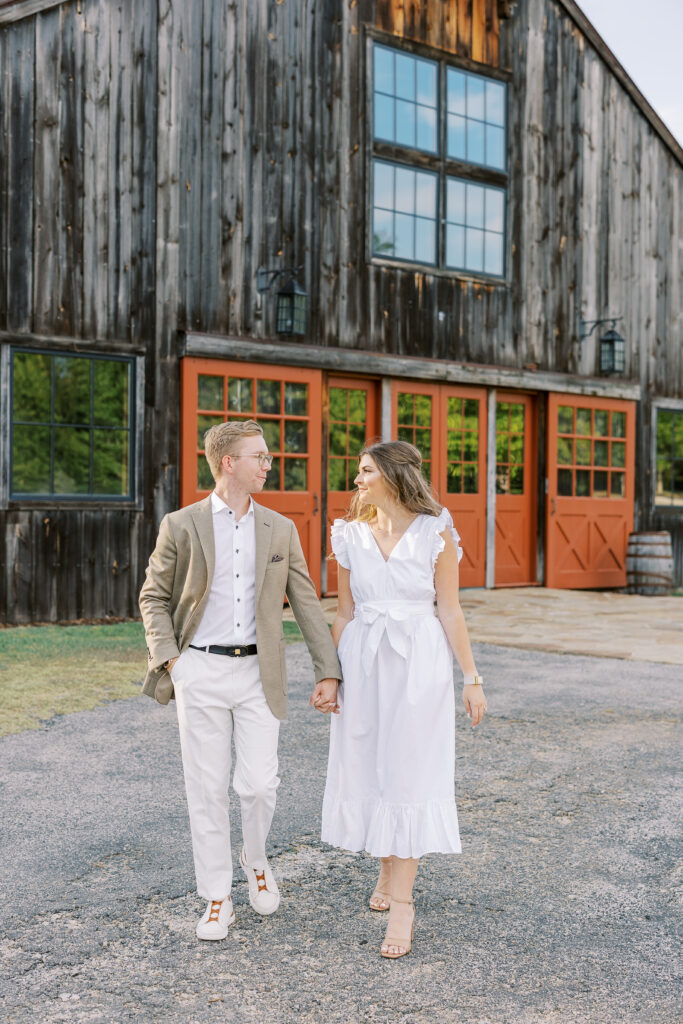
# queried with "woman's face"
point(372, 487)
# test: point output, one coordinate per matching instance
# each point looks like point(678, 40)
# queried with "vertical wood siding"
point(154, 155)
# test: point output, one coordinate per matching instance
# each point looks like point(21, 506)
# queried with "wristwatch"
point(474, 680)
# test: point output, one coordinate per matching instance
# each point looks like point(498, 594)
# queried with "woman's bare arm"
point(447, 586)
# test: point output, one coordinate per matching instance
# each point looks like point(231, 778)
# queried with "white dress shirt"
point(230, 615)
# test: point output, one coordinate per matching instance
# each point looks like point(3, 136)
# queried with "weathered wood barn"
point(485, 216)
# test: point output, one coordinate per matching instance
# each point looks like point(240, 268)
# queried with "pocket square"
point(276, 558)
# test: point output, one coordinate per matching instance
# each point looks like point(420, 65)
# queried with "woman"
point(392, 753)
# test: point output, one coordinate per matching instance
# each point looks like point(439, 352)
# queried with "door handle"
point(553, 507)
point(316, 506)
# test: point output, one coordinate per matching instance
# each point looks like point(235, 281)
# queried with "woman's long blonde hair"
point(400, 464)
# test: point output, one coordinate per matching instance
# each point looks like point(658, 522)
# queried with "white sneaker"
point(264, 894)
point(217, 919)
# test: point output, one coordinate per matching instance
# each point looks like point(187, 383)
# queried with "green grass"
point(56, 670)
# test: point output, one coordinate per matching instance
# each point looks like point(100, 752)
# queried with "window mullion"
point(52, 425)
point(91, 431)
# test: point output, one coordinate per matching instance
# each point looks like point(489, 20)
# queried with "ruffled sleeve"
point(339, 545)
point(444, 522)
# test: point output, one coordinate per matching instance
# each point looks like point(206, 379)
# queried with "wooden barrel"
point(649, 563)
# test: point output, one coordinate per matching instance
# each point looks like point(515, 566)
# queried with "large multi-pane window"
point(669, 478)
point(405, 212)
point(72, 426)
point(405, 99)
point(475, 226)
point(475, 119)
point(439, 166)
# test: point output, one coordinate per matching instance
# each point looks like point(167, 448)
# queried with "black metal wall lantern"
point(612, 352)
point(612, 345)
point(292, 300)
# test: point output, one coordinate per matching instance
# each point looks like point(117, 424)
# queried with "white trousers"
point(219, 698)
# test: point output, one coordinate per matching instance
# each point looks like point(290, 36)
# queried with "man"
point(212, 610)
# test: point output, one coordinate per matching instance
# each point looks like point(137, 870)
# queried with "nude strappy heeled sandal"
point(385, 898)
point(405, 945)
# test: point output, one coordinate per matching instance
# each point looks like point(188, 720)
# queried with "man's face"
point(245, 467)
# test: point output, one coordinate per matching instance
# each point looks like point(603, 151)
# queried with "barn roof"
point(14, 10)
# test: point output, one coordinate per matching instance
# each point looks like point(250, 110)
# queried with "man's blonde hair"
point(223, 438)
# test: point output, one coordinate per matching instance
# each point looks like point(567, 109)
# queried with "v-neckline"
point(374, 539)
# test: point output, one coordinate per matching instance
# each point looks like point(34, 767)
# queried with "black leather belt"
point(232, 652)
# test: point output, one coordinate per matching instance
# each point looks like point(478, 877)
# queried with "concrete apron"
point(603, 624)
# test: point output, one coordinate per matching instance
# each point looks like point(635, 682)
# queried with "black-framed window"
point(475, 118)
point(669, 477)
point(475, 226)
point(405, 99)
point(439, 164)
point(406, 208)
point(72, 426)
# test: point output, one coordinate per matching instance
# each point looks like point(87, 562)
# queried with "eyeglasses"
point(263, 460)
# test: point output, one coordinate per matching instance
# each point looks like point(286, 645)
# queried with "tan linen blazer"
point(176, 590)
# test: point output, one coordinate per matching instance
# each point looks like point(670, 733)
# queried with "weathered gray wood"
point(152, 156)
point(23, 9)
point(355, 361)
point(67, 344)
point(46, 269)
point(5, 177)
point(622, 76)
point(96, 115)
point(19, 210)
point(70, 203)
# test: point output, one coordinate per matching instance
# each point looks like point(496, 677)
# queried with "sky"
point(646, 37)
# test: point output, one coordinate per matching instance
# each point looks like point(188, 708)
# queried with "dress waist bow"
point(390, 617)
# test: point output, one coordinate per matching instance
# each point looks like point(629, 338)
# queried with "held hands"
point(475, 702)
point(324, 696)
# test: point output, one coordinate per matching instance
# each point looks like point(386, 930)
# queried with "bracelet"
point(473, 680)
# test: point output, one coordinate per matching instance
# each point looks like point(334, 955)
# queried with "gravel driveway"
point(560, 909)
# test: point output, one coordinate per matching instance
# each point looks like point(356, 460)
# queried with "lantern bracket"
point(583, 324)
point(265, 278)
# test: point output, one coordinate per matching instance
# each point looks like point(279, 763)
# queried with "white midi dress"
point(390, 776)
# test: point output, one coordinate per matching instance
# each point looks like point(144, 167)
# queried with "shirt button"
point(238, 600)
point(238, 575)
point(237, 551)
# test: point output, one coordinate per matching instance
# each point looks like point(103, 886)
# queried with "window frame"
point(661, 405)
point(445, 167)
point(134, 498)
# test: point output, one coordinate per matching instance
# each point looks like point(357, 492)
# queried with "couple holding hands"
point(212, 610)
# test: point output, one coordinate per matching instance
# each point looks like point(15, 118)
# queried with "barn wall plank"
point(46, 178)
point(18, 271)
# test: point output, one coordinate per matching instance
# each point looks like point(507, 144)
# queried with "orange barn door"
point(515, 552)
point(448, 425)
point(591, 456)
point(462, 475)
point(352, 420)
point(286, 402)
